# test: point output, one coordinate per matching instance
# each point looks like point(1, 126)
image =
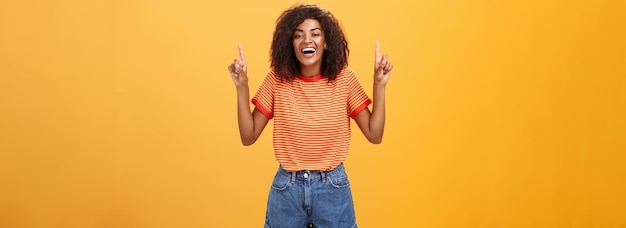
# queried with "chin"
point(310, 62)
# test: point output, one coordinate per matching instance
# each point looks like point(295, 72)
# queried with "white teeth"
point(308, 50)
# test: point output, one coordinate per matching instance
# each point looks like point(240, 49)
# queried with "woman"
point(311, 94)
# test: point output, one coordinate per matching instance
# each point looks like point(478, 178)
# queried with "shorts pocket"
point(340, 181)
point(281, 182)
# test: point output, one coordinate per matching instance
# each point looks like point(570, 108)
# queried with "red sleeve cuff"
point(360, 108)
point(263, 110)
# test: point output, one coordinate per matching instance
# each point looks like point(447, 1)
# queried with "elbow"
point(377, 140)
point(247, 142)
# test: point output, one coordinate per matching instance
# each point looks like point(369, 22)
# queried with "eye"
point(316, 34)
point(297, 36)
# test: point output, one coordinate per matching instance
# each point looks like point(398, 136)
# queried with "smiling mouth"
point(308, 51)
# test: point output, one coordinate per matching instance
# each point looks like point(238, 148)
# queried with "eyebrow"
point(300, 30)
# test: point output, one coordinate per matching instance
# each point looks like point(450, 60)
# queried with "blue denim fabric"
point(298, 199)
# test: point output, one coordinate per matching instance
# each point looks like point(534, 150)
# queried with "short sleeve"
point(357, 99)
point(264, 97)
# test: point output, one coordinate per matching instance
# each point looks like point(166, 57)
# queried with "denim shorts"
point(310, 199)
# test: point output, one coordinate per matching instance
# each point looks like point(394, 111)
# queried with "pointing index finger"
point(377, 54)
point(241, 56)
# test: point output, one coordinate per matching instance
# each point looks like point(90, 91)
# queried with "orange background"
point(500, 113)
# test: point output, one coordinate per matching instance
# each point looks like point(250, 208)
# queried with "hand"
point(382, 67)
point(238, 70)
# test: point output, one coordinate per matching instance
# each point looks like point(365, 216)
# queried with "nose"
point(308, 38)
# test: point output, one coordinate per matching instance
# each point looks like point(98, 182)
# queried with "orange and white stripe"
point(311, 118)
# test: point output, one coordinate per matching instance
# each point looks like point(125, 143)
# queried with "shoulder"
point(347, 71)
point(346, 74)
point(272, 76)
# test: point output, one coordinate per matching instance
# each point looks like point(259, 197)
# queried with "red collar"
point(310, 79)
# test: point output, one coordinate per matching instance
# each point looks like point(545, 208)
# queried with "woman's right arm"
point(250, 124)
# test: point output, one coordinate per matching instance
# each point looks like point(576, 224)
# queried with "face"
point(309, 44)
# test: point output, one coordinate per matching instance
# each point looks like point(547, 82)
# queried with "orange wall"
point(500, 113)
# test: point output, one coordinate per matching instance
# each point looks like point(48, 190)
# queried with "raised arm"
point(372, 124)
point(250, 124)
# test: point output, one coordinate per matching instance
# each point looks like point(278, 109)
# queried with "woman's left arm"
point(372, 124)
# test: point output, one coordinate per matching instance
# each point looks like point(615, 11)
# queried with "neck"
point(311, 71)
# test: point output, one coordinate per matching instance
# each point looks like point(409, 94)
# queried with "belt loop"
point(323, 173)
point(293, 177)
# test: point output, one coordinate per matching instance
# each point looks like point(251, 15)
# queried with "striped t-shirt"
point(311, 118)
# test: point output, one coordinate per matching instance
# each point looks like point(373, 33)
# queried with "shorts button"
point(305, 175)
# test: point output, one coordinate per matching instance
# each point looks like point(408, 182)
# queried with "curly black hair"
point(283, 58)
